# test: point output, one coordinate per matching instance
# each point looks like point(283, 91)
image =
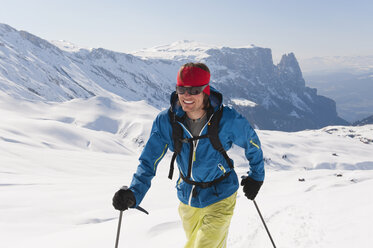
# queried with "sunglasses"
point(191, 90)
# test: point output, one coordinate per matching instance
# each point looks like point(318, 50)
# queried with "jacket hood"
point(216, 101)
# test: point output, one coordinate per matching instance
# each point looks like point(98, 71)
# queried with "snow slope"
point(60, 164)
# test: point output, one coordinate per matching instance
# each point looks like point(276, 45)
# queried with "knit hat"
point(193, 76)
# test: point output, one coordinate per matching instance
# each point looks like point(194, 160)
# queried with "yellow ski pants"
point(208, 227)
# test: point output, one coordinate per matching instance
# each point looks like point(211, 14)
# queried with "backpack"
point(212, 134)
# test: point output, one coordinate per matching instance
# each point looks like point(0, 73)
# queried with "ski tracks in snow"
point(162, 228)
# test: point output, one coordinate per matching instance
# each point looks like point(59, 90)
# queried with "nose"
point(186, 94)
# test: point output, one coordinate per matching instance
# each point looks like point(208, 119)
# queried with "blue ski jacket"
point(208, 164)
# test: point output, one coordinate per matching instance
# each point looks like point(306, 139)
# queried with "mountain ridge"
point(366, 121)
point(33, 68)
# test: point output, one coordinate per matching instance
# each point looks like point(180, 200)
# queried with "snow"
point(243, 102)
point(298, 103)
point(67, 46)
point(294, 114)
point(179, 50)
point(60, 164)
point(33, 68)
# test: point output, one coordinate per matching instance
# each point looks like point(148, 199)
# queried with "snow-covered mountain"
point(281, 99)
point(61, 162)
point(180, 50)
point(33, 68)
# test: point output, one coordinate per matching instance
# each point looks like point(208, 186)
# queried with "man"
point(199, 130)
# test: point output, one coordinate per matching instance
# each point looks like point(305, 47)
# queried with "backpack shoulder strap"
point(213, 134)
point(177, 135)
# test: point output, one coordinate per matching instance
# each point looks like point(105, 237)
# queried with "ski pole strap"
point(205, 185)
point(142, 210)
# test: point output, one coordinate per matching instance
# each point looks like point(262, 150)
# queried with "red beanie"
point(194, 76)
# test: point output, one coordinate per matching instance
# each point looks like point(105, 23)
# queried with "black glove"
point(124, 199)
point(250, 187)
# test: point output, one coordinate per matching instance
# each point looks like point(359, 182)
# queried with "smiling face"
point(192, 105)
point(196, 75)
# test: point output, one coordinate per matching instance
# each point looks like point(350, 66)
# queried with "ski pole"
point(261, 217)
point(120, 223)
point(118, 230)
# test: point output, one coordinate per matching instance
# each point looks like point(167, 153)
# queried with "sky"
point(307, 28)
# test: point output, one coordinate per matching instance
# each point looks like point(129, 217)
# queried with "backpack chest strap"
point(189, 140)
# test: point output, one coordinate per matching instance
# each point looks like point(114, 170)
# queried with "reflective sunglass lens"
point(191, 90)
point(180, 90)
point(194, 91)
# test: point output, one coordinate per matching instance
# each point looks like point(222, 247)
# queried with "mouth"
point(188, 102)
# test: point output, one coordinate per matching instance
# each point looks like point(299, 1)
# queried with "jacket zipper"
point(194, 150)
point(194, 156)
